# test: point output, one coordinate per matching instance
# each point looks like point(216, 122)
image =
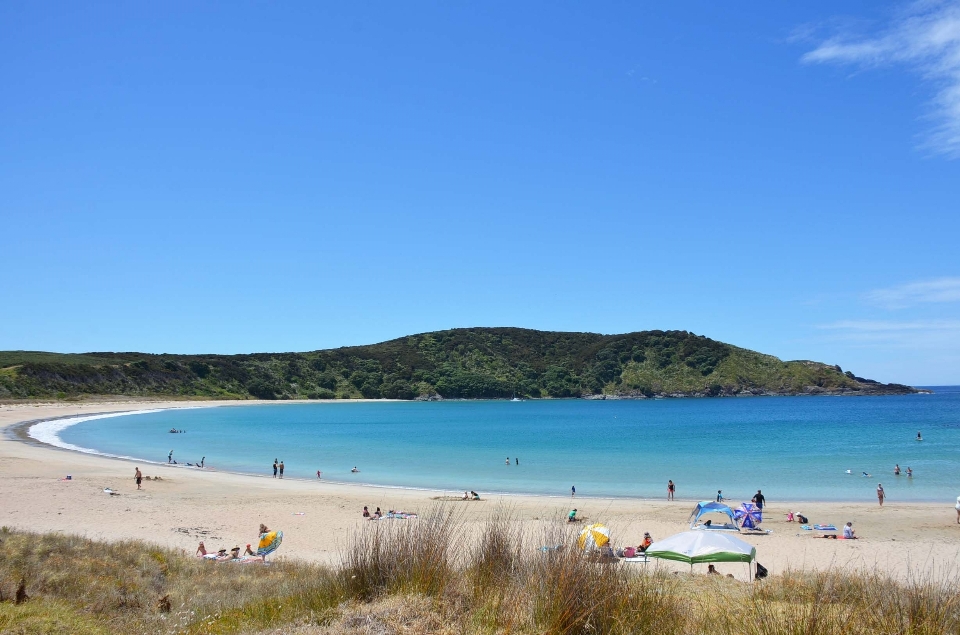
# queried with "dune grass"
point(424, 576)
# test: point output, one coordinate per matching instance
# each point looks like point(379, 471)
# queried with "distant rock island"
point(470, 363)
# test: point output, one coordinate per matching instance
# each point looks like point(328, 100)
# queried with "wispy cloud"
point(880, 326)
point(940, 335)
point(926, 36)
point(906, 295)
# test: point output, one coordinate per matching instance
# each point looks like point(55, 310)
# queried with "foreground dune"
point(224, 510)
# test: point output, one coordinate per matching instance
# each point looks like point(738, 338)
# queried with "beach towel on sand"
point(825, 527)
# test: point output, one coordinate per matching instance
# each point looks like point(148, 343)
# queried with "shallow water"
point(794, 448)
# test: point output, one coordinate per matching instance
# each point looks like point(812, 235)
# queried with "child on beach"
point(880, 494)
point(671, 488)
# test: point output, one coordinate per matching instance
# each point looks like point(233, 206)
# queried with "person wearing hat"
point(647, 541)
point(572, 516)
point(249, 551)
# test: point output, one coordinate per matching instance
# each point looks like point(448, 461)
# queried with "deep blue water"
point(794, 448)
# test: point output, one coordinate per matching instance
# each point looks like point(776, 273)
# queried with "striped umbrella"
point(593, 537)
point(269, 543)
point(749, 515)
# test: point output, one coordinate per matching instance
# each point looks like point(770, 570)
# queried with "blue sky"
point(259, 177)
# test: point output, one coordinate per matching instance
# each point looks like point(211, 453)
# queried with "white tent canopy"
point(694, 547)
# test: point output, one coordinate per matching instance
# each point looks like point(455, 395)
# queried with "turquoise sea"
point(794, 448)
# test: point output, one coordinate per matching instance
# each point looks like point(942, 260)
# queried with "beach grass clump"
point(408, 557)
point(833, 602)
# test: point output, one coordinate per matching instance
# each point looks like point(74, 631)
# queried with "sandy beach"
point(319, 518)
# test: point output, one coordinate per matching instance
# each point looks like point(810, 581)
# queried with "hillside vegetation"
point(470, 363)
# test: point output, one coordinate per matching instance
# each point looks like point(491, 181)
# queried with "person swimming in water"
point(919, 436)
point(865, 474)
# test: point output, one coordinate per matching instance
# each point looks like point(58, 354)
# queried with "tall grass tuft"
point(401, 556)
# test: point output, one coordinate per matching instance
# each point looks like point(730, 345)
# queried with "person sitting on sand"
point(848, 532)
point(712, 570)
point(202, 551)
point(572, 516)
point(249, 552)
point(466, 496)
point(366, 512)
point(707, 523)
point(645, 544)
point(378, 514)
point(476, 496)
point(789, 517)
point(235, 553)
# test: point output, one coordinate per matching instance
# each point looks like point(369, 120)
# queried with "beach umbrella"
point(269, 542)
point(749, 515)
point(694, 547)
point(593, 537)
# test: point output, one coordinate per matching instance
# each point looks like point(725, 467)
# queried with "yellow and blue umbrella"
point(269, 542)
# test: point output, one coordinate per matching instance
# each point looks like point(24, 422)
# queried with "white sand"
point(224, 510)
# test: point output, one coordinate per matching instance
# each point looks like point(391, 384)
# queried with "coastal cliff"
point(471, 363)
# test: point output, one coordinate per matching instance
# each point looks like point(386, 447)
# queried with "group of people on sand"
point(471, 495)
point(277, 467)
point(234, 554)
point(377, 515)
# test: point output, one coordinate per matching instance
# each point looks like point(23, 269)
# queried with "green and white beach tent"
point(696, 547)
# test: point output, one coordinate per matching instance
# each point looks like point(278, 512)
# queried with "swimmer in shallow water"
point(864, 474)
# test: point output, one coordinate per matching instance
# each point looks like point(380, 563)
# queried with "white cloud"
point(926, 36)
point(881, 326)
point(938, 335)
point(928, 291)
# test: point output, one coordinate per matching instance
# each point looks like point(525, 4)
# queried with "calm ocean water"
point(794, 448)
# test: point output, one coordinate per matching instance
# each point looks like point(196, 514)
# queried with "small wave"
point(48, 432)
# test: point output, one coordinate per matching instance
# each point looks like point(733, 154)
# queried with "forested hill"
point(460, 363)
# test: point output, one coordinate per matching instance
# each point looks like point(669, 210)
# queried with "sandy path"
point(188, 505)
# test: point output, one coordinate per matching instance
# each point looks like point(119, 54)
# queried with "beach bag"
point(761, 571)
point(630, 552)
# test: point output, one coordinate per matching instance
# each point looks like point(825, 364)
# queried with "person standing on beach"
point(671, 488)
point(170, 457)
point(138, 477)
point(880, 494)
point(274, 468)
point(573, 491)
point(958, 510)
point(759, 500)
point(281, 469)
point(202, 460)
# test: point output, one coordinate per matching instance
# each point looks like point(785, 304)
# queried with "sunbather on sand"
point(201, 550)
point(712, 570)
point(249, 551)
point(647, 541)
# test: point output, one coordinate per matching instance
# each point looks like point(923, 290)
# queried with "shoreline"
point(50, 437)
point(189, 505)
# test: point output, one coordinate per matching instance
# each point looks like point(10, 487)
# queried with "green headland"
point(469, 363)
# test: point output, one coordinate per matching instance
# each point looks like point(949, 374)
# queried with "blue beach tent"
point(710, 507)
